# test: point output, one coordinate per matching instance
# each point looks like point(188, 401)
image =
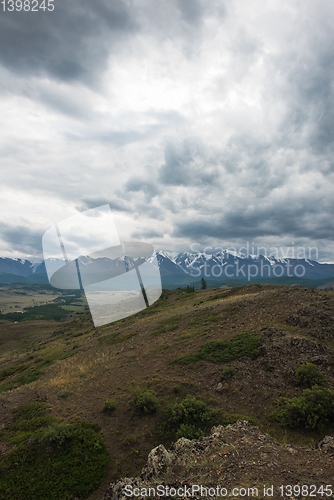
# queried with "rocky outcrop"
point(235, 456)
point(326, 445)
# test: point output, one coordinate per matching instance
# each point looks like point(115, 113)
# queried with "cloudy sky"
point(202, 123)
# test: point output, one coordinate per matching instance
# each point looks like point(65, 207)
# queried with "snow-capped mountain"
point(226, 264)
point(18, 267)
point(221, 265)
point(168, 265)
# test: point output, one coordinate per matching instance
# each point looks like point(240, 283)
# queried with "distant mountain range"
point(180, 267)
point(234, 265)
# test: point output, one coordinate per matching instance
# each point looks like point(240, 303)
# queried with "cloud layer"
point(196, 121)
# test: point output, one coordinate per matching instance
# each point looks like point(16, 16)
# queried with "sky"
point(203, 124)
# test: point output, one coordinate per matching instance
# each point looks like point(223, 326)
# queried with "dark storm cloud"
point(137, 184)
point(309, 70)
point(151, 211)
point(74, 41)
point(187, 163)
point(70, 43)
point(281, 220)
point(22, 238)
point(192, 12)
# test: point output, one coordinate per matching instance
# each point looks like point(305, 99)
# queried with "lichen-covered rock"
point(326, 445)
point(157, 462)
point(181, 444)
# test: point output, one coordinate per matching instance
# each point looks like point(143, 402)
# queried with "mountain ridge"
point(221, 265)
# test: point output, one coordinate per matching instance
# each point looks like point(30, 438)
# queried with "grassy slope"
point(113, 360)
point(173, 281)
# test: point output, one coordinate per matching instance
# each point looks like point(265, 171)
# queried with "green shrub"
point(245, 344)
point(189, 431)
point(313, 410)
point(10, 370)
point(145, 402)
point(187, 418)
point(227, 374)
point(31, 417)
point(30, 411)
point(177, 389)
point(57, 434)
point(308, 375)
point(75, 465)
point(109, 406)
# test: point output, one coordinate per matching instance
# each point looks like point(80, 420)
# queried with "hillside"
point(265, 333)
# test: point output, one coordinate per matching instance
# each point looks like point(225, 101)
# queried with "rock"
point(217, 431)
point(320, 359)
point(116, 490)
point(181, 444)
point(158, 460)
point(326, 445)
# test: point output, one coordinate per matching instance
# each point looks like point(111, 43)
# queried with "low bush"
point(51, 460)
point(109, 406)
point(308, 375)
point(245, 344)
point(56, 435)
point(189, 431)
point(313, 410)
point(188, 418)
point(145, 402)
point(30, 417)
